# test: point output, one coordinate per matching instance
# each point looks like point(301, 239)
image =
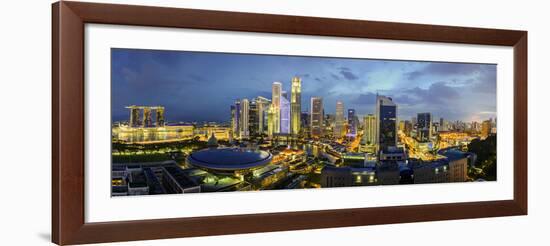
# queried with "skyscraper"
point(237, 123)
point(159, 118)
point(253, 119)
point(270, 121)
point(339, 124)
point(134, 116)
point(234, 121)
point(424, 127)
point(316, 114)
point(369, 135)
point(296, 105)
point(386, 122)
point(486, 128)
point(147, 119)
point(276, 90)
point(352, 123)
point(285, 113)
point(245, 107)
point(305, 119)
point(262, 105)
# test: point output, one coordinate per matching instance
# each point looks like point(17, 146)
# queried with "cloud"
point(368, 98)
point(347, 73)
point(444, 69)
point(438, 92)
point(486, 81)
point(334, 76)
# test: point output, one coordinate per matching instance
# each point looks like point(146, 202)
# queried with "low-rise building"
point(431, 172)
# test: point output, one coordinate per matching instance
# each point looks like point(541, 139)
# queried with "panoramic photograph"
point(194, 122)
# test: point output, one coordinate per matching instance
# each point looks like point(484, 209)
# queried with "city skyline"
point(454, 91)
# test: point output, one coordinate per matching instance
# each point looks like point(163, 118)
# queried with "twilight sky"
point(200, 86)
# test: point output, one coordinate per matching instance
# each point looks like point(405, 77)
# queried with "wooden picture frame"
point(68, 223)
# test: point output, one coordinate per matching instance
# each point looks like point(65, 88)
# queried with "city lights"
point(294, 134)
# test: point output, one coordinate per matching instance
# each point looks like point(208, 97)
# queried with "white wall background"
point(25, 122)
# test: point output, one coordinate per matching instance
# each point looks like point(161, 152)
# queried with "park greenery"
point(486, 164)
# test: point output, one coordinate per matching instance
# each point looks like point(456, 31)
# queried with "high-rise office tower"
point(285, 113)
point(253, 119)
point(270, 121)
point(369, 126)
point(316, 114)
point(296, 105)
point(408, 128)
point(352, 123)
point(305, 119)
point(424, 127)
point(234, 121)
point(237, 129)
point(262, 105)
point(276, 91)
point(245, 107)
point(386, 122)
point(486, 128)
point(340, 121)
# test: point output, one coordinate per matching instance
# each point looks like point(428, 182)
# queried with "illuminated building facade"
point(424, 127)
point(159, 117)
point(237, 120)
point(262, 105)
point(245, 107)
point(285, 114)
point(352, 123)
point(147, 119)
point(339, 124)
point(233, 121)
point(316, 116)
point(253, 119)
point(386, 122)
point(486, 128)
point(134, 117)
point(296, 105)
point(369, 132)
point(276, 91)
point(270, 121)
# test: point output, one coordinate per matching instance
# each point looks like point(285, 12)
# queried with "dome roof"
point(229, 159)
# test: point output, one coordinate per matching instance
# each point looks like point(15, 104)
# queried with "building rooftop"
point(176, 172)
point(453, 154)
point(229, 159)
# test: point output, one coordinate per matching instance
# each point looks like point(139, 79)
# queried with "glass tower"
point(296, 105)
point(316, 115)
point(386, 117)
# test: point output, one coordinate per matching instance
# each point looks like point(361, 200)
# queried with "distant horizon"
point(201, 86)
